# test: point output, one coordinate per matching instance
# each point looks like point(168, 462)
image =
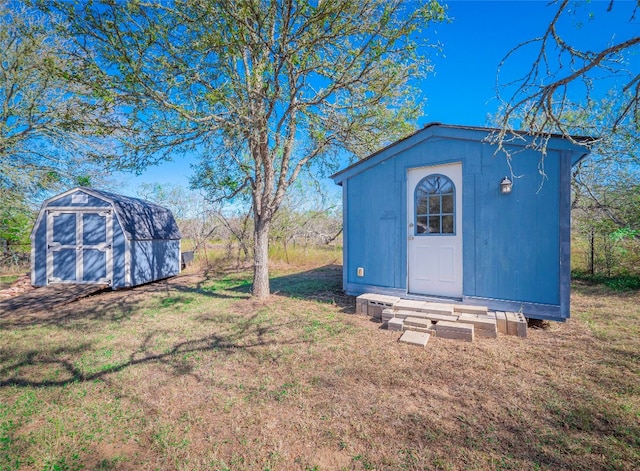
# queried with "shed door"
point(79, 246)
point(435, 230)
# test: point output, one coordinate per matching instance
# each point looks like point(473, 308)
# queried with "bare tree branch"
point(545, 98)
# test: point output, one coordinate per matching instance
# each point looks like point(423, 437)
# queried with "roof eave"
point(345, 173)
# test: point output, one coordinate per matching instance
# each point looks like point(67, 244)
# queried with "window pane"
point(421, 206)
point(434, 204)
point(446, 187)
point(447, 204)
point(447, 224)
point(434, 224)
point(430, 187)
point(421, 224)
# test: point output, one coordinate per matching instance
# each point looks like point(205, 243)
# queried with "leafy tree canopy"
point(262, 89)
point(46, 122)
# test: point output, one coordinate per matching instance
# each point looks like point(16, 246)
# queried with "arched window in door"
point(435, 206)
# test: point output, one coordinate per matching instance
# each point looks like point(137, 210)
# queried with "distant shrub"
point(625, 282)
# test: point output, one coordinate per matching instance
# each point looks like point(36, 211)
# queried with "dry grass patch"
point(193, 374)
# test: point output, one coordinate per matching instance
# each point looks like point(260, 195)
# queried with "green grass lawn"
point(193, 374)
point(7, 280)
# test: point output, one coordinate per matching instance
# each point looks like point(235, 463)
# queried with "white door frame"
point(434, 261)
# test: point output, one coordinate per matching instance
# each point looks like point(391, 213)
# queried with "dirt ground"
point(20, 286)
point(191, 373)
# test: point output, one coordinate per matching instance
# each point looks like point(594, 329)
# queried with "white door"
point(434, 205)
point(79, 246)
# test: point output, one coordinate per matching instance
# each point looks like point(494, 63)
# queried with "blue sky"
point(463, 88)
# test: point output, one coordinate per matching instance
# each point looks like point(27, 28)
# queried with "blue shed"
point(426, 217)
point(91, 236)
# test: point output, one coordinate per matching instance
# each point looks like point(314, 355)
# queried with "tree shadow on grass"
point(21, 367)
point(323, 284)
point(108, 306)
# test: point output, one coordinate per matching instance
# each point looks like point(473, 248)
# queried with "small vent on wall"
point(80, 198)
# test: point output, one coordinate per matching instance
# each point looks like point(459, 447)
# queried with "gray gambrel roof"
point(139, 219)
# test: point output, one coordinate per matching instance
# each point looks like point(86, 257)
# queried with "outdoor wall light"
point(505, 186)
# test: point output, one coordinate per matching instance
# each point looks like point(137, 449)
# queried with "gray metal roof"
point(140, 219)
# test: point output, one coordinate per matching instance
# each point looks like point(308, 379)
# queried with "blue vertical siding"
point(515, 246)
point(148, 260)
point(39, 254)
point(40, 250)
point(373, 235)
point(516, 236)
point(154, 260)
point(119, 250)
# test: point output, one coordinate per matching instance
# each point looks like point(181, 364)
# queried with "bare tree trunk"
point(286, 253)
point(243, 236)
point(592, 253)
point(331, 239)
point(261, 259)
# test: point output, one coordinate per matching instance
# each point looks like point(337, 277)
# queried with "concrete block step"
point(379, 298)
point(387, 314)
point(362, 305)
point(516, 324)
point(480, 322)
point(429, 330)
point(501, 322)
point(483, 327)
point(454, 330)
point(468, 309)
point(417, 322)
point(396, 324)
point(415, 338)
point(373, 304)
point(422, 306)
point(423, 315)
point(488, 315)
